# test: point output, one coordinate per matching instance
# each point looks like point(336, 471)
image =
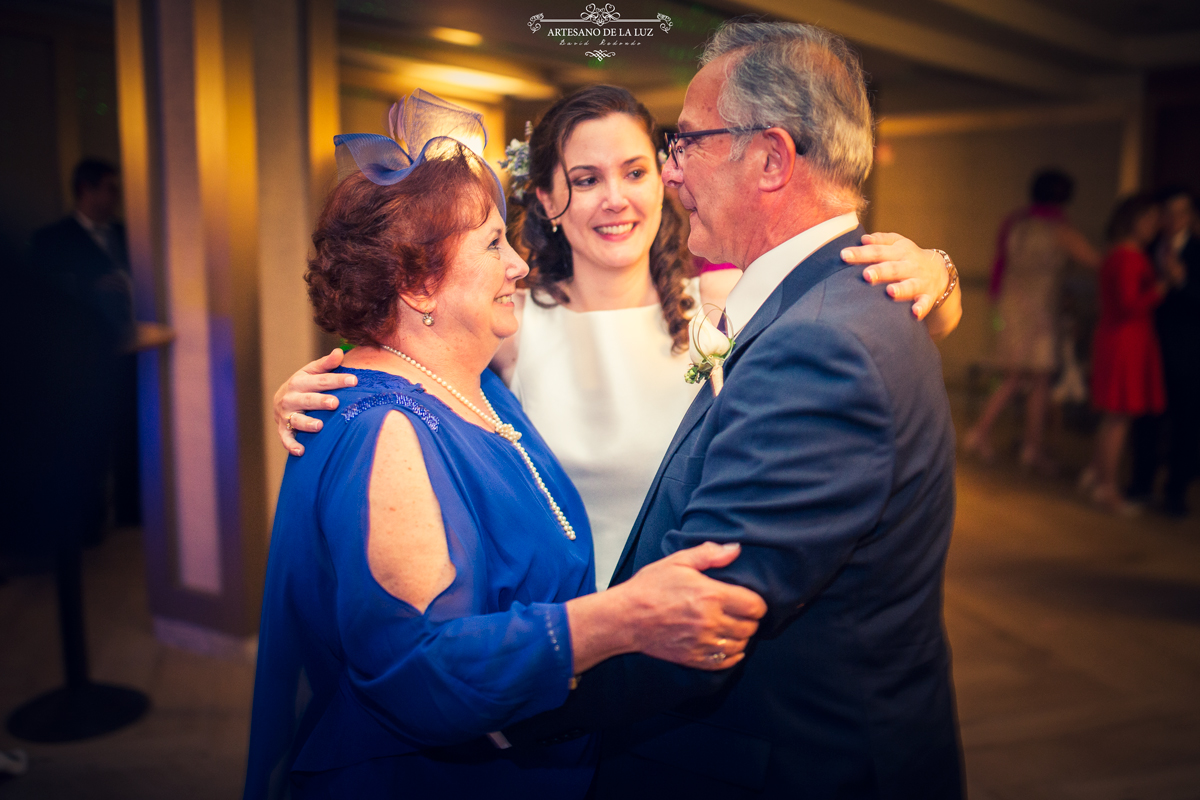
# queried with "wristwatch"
point(952, 271)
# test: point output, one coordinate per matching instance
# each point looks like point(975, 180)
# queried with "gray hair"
point(805, 80)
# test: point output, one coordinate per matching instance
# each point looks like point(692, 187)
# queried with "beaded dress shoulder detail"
point(397, 392)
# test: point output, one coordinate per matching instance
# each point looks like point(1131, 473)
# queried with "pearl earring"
point(427, 318)
point(554, 227)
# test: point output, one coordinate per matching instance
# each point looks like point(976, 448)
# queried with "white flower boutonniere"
point(708, 348)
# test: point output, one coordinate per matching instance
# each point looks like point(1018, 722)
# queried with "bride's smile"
point(614, 202)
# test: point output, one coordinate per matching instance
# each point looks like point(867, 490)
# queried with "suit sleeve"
point(798, 473)
point(800, 469)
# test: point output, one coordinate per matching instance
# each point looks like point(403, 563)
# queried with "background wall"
point(58, 92)
point(953, 190)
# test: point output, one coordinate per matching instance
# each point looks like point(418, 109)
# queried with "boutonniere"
point(708, 348)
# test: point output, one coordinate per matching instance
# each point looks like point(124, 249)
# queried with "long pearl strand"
point(504, 430)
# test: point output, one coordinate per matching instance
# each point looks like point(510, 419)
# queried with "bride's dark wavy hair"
point(548, 252)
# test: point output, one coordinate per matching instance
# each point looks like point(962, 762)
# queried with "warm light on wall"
point(476, 79)
point(456, 36)
point(361, 67)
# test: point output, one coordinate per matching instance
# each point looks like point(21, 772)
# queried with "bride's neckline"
point(642, 308)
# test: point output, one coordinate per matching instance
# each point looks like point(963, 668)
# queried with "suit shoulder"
point(844, 300)
point(887, 331)
point(65, 233)
point(65, 225)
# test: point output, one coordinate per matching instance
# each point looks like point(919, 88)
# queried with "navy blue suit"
point(829, 455)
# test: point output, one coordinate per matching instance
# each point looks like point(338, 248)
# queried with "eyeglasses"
point(676, 142)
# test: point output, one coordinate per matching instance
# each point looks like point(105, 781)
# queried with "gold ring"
point(722, 642)
point(289, 420)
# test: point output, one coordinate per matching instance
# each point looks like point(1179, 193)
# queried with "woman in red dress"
point(1127, 379)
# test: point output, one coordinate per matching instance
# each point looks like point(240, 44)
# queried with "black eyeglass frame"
point(672, 139)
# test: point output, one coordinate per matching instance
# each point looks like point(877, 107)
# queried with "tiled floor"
point(1076, 641)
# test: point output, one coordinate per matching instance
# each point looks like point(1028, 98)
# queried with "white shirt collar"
point(767, 271)
point(88, 223)
point(98, 231)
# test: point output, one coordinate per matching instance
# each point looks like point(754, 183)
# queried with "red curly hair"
point(375, 242)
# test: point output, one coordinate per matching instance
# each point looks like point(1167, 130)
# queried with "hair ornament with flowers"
point(516, 164)
point(430, 128)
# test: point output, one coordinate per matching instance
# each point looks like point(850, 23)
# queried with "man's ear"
point(777, 153)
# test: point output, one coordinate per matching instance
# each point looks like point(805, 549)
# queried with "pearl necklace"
point(504, 430)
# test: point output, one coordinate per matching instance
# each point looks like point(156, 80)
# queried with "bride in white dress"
point(599, 361)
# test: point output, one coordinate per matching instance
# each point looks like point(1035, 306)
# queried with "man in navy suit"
point(828, 455)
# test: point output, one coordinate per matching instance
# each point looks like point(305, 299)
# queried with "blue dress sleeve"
point(457, 671)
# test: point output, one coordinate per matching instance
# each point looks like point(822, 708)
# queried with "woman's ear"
point(778, 159)
point(547, 206)
point(419, 302)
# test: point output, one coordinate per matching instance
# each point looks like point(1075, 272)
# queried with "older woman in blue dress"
point(598, 365)
point(431, 576)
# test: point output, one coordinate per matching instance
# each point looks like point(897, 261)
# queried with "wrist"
point(951, 279)
point(599, 628)
point(936, 257)
point(627, 617)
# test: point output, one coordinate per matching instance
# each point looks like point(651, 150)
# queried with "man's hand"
point(910, 272)
point(298, 394)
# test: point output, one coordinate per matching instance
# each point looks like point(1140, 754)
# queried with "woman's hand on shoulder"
point(300, 393)
point(912, 274)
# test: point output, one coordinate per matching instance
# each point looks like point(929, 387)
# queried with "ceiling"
point(921, 55)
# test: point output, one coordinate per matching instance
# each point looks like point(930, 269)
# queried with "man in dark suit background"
point(84, 253)
point(828, 455)
point(81, 270)
point(1178, 323)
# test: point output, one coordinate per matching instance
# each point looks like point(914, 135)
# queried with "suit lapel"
point(814, 269)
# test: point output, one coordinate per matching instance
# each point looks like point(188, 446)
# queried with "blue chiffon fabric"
point(357, 694)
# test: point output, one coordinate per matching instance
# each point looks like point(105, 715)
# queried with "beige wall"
point(952, 190)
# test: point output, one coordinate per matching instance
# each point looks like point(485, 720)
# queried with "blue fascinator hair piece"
point(421, 127)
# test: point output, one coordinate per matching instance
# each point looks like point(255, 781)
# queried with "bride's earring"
point(427, 318)
point(554, 227)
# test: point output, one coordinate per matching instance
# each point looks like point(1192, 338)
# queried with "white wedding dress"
point(606, 393)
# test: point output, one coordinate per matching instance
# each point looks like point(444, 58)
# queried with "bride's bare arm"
point(912, 274)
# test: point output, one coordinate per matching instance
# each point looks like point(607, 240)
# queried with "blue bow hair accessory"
point(428, 126)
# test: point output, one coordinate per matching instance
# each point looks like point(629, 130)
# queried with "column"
point(215, 128)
